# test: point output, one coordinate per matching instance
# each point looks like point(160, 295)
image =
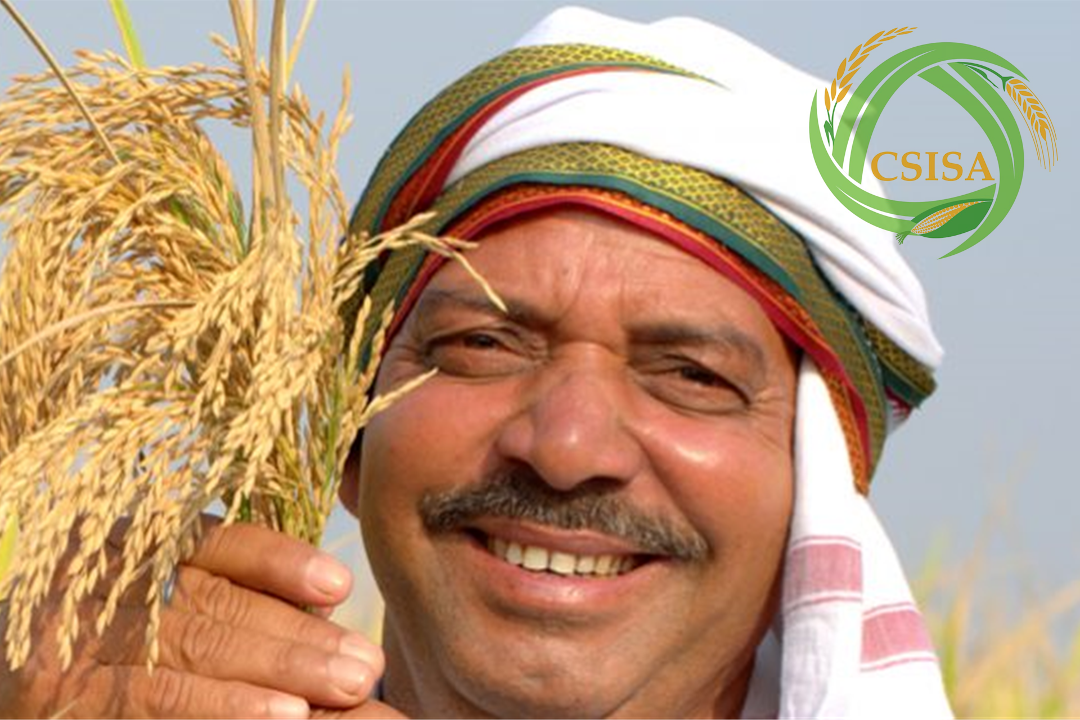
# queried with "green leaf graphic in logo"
point(981, 210)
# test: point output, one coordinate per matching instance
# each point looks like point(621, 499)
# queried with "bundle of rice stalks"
point(159, 348)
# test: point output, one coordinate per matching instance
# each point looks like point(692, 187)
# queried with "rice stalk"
point(44, 51)
point(127, 32)
point(301, 33)
point(161, 350)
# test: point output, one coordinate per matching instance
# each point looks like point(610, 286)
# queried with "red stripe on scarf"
point(822, 569)
point(894, 634)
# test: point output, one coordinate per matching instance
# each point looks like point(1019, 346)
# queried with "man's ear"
point(350, 479)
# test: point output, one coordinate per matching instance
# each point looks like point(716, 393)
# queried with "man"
point(640, 489)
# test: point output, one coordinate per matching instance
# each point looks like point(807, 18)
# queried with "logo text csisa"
point(978, 166)
point(975, 79)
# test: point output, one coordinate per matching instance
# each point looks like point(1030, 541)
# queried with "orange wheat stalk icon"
point(841, 84)
point(1038, 121)
point(1039, 125)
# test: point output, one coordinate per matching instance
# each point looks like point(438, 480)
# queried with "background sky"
point(992, 458)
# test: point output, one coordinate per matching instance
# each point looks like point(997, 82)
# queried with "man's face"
point(584, 512)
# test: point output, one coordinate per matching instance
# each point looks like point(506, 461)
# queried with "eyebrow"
point(723, 336)
point(435, 299)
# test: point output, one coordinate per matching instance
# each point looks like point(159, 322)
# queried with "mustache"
point(519, 493)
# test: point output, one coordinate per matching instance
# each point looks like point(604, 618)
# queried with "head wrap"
point(695, 134)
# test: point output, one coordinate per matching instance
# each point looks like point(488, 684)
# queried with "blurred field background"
point(978, 493)
point(1008, 645)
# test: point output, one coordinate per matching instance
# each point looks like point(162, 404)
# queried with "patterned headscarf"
point(700, 137)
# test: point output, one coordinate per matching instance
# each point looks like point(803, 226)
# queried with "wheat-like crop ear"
point(43, 50)
point(1039, 124)
point(849, 66)
point(159, 351)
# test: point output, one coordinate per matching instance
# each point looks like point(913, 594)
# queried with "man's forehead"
point(544, 261)
point(658, 327)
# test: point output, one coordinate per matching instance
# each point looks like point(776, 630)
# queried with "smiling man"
point(641, 489)
point(597, 527)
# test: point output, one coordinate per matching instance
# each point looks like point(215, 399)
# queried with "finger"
point(200, 645)
point(129, 691)
point(262, 559)
point(198, 591)
point(257, 557)
point(369, 709)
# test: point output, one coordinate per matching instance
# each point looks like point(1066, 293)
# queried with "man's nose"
point(574, 428)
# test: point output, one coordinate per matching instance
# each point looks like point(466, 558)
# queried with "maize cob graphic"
point(948, 220)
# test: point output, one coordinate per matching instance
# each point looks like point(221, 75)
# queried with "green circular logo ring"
point(988, 77)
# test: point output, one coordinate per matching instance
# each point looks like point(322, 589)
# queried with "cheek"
point(413, 447)
point(403, 445)
point(732, 479)
point(437, 437)
point(408, 448)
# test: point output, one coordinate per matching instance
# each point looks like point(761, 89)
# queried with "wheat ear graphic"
point(1036, 118)
point(845, 73)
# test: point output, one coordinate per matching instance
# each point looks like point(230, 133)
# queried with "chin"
point(563, 697)
point(490, 666)
point(535, 678)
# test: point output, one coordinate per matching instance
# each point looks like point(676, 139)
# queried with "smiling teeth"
point(538, 559)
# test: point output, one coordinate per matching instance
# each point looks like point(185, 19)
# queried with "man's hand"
point(233, 642)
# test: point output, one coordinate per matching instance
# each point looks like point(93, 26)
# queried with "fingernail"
point(327, 575)
point(286, 706)
point(349, 674)
point(357, 646)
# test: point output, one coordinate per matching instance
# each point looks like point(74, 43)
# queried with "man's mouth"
point(540, 559)
point(579, 554)
point(536, 570)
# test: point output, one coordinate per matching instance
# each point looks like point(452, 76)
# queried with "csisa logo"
point(976, 79)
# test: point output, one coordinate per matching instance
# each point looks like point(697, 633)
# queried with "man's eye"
point(701, 376)
point(478, 341)
point(692, 386)
point(476, 354)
